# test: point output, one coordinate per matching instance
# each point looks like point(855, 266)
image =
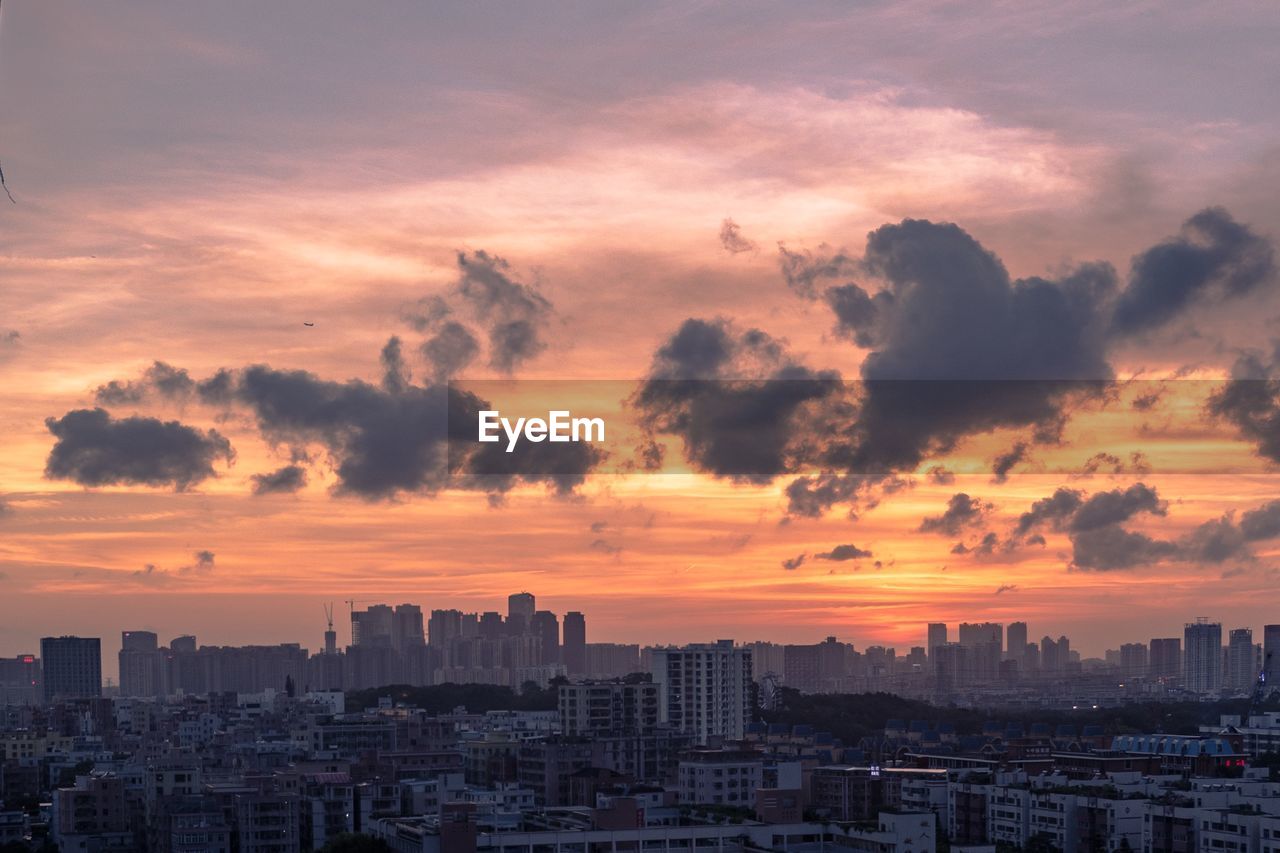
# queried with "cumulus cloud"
point(485, 300)
point(94, 449)
point(161, 379)
point(1095, 526)
point(962, 511)
point(287, 479)
point(1215, 258)
point(735, 399)
point(843, 553)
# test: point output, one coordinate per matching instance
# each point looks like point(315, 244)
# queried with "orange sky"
point(192, 185)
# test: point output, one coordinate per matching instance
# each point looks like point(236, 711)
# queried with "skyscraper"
point(705, 689)
point(1165, 658)
point(1202, 661)
point(1134, 660)
point(141, 664)
point(406, 627)
point(546, 627)
point(72, 667)
point(520, 609)
point(373, 626)
point(1242, 660)
point(574, 652)
point(1016, 642)
point(937, 636)
point(1271, 655)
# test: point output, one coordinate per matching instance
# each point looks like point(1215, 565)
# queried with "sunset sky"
point(1053, 193)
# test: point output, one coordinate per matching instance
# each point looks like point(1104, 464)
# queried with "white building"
point(704, 689)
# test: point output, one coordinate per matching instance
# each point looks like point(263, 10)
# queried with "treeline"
point(442, 698)
point(851, 717)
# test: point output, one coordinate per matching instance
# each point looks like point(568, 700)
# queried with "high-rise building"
point(1271, 655)
point(490, 625)
point(1165, 658)
point(444, 627)
point(1242, 660)
point(142, 670)
point(1054, 655)
point(1202, 661)
point(937, 636)
point(705, 689)
point(406, 627)
point(546, 627)
point(1133, 660)
point(595, 708)
point(984, 643)
point(520, 609)
point(72, 667)
point(20, 680)
point(575, 643)
point(1016, 641)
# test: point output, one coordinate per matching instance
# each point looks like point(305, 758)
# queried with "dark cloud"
point(288, 479)
point(794, 562)
point(732, 240)
point(599, 526)
point(859, 315)
point(1262, 522)
point(1006, 587)
point(164, 380)
point(485, 301)
point(450, 350)
point(962, 512)
point(1112, 547)
point(1095, 527)
point(150, 573)
point(395, 438)
point(1115, 507)
point(1214, 258)
point(735, 399)
point(843, 553)
point(93, 449)
point(938, 475)
point(802, 270)
point(958, 348)
point(1005, 462)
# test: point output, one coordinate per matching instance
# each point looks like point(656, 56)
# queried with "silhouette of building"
point(72, 667)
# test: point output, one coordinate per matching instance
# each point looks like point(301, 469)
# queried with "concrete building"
point(705, 689)
point(1202, 658)
point(598, 708)
point(1165, 658)
point(72, 667)
point(574, 651)
point(728, 777)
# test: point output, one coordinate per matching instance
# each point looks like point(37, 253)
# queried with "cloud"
point(962, 511)
point(1006, 587)
point(794, 562)
point(287, 479)
point(940, 476)
point(1095, 527)
point(1215, 258)
point(1005, 462)
point(93, 449)
point(802, 270)
point(10, 340)
point(732, 240)
point(734, 398)
point(843, 553)
point(151, 574)
point(604, 546)
point(165, 380)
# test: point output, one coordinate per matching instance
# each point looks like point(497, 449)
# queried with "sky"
point(1062, 214)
